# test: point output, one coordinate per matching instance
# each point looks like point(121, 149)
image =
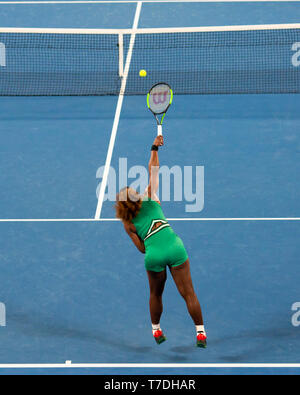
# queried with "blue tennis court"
point(74, 288)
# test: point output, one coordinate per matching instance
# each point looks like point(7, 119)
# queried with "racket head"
point(159, 98)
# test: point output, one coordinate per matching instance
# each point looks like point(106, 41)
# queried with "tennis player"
point(145, 223)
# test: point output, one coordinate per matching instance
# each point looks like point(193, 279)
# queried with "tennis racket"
point(159, 99)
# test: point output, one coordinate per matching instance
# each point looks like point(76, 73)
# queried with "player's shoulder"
point(129, 227)
point(147, 198)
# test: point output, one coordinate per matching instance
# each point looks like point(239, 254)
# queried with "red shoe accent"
point(201, 337)
point(157, 333)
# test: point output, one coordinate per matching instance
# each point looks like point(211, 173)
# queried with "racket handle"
point(159, 130)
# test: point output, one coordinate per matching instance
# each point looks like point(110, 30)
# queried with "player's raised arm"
point(153, 168)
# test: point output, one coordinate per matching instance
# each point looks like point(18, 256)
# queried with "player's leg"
point(157, 282)
point(183, 280)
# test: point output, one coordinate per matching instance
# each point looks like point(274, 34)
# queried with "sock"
point(200, 328)
point(155, 327)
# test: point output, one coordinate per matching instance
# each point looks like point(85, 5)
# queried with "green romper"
point(163, 247)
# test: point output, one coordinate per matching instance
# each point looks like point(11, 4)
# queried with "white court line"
point(145, 1)
point(169, 219)
point(133, 32)
point(236, 219)
point(117, 114)
point(152, 365)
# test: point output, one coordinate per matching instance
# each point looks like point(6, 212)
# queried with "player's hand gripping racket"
point(159, 99)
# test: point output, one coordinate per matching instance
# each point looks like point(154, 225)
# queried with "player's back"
point(151, 224)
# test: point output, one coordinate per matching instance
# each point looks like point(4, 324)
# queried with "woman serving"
point(145, 223)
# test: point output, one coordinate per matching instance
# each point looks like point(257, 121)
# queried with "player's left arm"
point(130, 229)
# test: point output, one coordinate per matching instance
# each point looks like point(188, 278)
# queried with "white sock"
point(200, 328)
point(155, 327)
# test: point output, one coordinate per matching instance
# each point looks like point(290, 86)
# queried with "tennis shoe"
point(159, 337)
point(201, 340)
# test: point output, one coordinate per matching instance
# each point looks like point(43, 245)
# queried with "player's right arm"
point(153, 168)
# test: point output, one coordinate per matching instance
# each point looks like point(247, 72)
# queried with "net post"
point(121, 55)
point(2, 55)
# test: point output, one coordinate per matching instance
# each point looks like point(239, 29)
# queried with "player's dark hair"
point(128, 204)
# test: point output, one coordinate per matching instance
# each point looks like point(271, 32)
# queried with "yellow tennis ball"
point(143, 73)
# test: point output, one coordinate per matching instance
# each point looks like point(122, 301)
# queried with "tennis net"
point(199, 60)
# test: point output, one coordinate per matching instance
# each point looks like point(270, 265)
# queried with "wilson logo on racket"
point(156, 226)
point(160, 97)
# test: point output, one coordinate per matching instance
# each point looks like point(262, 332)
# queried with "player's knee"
point(188, 295)
point(156, 293)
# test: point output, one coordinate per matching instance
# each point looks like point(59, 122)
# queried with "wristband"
point(154, 148)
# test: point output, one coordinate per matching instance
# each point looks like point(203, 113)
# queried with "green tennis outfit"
point(163, 247)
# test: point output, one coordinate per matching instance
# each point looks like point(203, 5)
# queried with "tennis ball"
point(143, 73)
